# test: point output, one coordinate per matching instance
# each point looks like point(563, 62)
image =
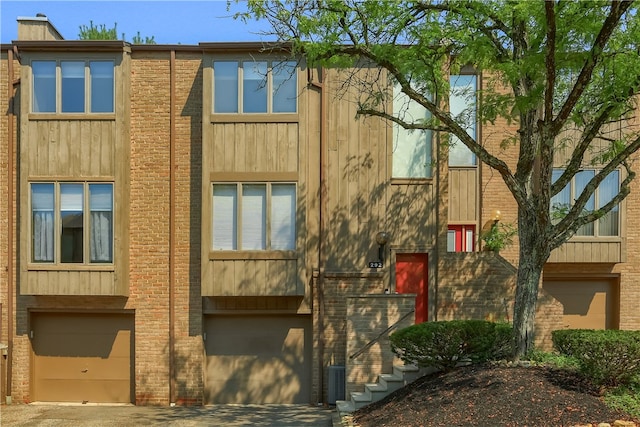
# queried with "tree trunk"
point(534, 252)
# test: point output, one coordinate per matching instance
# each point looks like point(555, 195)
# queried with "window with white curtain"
point(84, 85)
point(81, 238)
point(255, 86)
point(254, 216)
point(606, 226)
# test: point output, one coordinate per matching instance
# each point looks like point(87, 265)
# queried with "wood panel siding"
point(463, 195)
point(71, 148)
point(256, 148)
point(589, 251)
point(84, 148)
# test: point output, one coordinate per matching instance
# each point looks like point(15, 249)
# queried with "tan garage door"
point(258, 359)
point(82, 357)
point(587, 304)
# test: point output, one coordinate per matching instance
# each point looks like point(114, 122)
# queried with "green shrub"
point(555, 359)
point(445, 344)
point(625, 398)
point(607, 357)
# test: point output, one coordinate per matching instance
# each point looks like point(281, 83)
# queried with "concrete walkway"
point(129, 415)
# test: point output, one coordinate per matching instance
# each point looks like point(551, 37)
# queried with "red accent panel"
point(412, 278)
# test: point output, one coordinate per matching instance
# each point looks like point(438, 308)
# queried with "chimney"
point(37, 28)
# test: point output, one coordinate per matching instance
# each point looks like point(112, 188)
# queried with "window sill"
point(255, 118)
point(70, 267)
point(592, 239)
point(66, 116)
point(252, 255)
point(411, 181)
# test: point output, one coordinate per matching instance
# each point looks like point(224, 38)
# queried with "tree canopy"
point(102, 32)
point(565, 73)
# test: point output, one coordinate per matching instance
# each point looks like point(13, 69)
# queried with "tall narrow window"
point(71, 208)
point(462, 105)
point(283, 217)
point(581, 180)
point(225, 225)
point(42, 222)
point(44, 86)
point(225, 87)
point(411, 148)
point(254, 90)
point(72, 86)
point(101, 222)
point(608, 189)
point(285, 89)
point(101, 86)
point(254, 209)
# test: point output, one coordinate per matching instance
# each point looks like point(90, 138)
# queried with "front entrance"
point(412, 278)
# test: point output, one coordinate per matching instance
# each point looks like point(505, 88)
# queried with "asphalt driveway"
point(128, 415)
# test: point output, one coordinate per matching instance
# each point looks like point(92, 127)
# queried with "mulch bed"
point(489, 395)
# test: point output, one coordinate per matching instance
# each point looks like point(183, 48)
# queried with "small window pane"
point(462, 105)
point(44, 86)
point(42, 222)
point(225, 211)
point(254, 90)
point(469, 240)
point(101, 222)
point(102, 87)
point(72, 86)
point(561, 202)
point(582, 178)
point(451, 241)
point(254, 207)
point(71, 215)
point(411, 148)
point(609, 188)
point(285, 87)
point(225, 87)
point(283, 216)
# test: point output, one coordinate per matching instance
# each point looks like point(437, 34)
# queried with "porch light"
point(381, 239)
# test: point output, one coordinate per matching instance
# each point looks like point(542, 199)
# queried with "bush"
point(444, 345)
point(607, 357)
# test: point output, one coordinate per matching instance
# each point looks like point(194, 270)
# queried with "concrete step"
point(376, 391)
point(391, 381)
point(345, 407)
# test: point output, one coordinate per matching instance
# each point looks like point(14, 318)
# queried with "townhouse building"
point(195, 224)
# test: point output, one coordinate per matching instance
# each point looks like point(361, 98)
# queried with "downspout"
point(172, 225)
point(321, 227)
point(10, 228)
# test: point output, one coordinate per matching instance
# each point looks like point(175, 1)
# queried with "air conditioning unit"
point(336, 384)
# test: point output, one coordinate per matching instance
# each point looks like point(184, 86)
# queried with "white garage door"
point(587, 304)
point(258, 359)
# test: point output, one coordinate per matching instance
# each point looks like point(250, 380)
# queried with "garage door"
point(587, 304)
point(82, 357)
point(258, 359)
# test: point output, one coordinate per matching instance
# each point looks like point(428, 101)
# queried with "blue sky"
point(169, 22)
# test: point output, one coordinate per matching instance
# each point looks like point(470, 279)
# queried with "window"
point(608, 225)
point(254, 216)
point(461, 238)
point(462, 105)
point(411, 148)
point(83, 86)
point(254, 87)
point(81, 238)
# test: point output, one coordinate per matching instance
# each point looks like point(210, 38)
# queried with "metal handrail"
point(376, 339)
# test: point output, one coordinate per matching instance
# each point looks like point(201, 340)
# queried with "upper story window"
point(73, 86)
point(254, 216)
point(71, 222)
point(608, 225)
point(255, 87)
point(411, 148)
point(462, 105)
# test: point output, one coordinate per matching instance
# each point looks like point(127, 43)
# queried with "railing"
point(380, 335)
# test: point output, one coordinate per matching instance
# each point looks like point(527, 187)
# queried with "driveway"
point(128, 415)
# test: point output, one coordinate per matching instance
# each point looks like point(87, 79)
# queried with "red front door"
point(411, 278)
